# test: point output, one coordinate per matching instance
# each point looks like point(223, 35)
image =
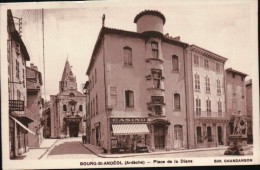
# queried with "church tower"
point(68, 80)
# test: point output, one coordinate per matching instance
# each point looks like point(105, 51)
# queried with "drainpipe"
point(106, 103)
point(187, 99)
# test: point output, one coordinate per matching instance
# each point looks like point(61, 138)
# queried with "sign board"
point(128, 120)
point(16, 105)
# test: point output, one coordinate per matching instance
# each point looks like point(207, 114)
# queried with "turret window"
point(155, 51)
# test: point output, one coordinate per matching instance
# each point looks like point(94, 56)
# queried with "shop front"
point(129, 135)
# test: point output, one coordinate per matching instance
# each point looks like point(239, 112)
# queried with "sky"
point(227, 28)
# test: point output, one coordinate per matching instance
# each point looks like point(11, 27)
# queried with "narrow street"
point(69, 148)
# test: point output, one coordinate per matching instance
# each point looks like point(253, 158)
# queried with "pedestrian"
point(134, 146)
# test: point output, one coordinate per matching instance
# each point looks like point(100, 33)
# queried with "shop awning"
point(130, 129)
point(17, 121)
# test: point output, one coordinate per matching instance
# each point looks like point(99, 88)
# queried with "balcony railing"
point(208, 114)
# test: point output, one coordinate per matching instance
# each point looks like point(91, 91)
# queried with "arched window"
point(175, 63)
point(177, 102)
point(65, 108)
point(129, 99)
point(80, 108)
point(207, 83)
point(72, 95)
point(127, 61)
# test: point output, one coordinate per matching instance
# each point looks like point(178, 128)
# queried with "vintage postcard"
point(102, 84)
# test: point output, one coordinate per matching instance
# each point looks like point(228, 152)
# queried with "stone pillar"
point(167, 136)
point(224, 134)
point(152, 146)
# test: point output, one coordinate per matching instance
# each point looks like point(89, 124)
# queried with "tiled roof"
point(150, 12)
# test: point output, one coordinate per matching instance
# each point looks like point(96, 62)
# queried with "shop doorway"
point(159, 136)
point(74, 129)
point(220, 142)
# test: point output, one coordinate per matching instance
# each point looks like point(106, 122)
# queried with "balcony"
point(205, 114)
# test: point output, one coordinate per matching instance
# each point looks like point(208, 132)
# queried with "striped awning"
point(22, 125)
point(130, 129)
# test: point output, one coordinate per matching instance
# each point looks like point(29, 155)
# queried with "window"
point(209, 134)
point(17, 48)
point(234, 88)
point(65, 108)
point(155, 51)
point(217, 67)
point(80, 108)
point(129, 99)
point(208, 103)
point(178, 133)
point(157, 76)
point(127, 56)
point(17, 70)
point(23, 78)
point(96, 104)
point(72, 95)
point(157, 102)
point(199, 136)
point(94, 112)
point(206, 63)
point(207, 81)
point(177, 102)
point(158, 110)
point(198, 107)
point(18, 94)
point(197, 82)
point(196, 60)
point(113, 95)
point(218, 87)
point(219, 108)
point(175, 63)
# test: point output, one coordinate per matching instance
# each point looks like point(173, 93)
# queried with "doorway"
point(178, 136)
point(220, 142)
point(159, 136)
point(74, 129)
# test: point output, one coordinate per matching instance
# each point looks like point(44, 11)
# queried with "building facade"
point(235, 95)
point(34, 104)
point(142, 79)
point(208, 119)
point(152, 90)
point(67, 107)
point(19, 115)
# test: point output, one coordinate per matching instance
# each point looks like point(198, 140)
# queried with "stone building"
point(137, 88)
point(249, 110)
point(34, 104)
point(19, 115)
point(235, 94)
point(206, 98)
point(67, 107)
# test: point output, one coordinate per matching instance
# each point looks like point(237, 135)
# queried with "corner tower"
point(68, 80)
point(149, 21)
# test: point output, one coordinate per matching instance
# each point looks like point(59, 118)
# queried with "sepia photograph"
point(103, 84)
